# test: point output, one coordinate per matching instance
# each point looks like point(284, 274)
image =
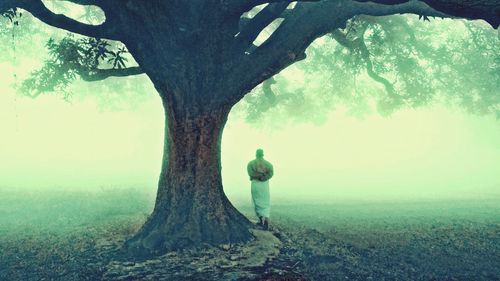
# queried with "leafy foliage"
point(71, 58)
point(12, 15)
point(23, 49)
point(117, 59)
point(20, 31)
point(393, 62)
point(385, 63)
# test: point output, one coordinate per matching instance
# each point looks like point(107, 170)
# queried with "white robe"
point(261, 198)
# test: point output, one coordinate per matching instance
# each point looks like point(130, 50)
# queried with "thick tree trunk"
point(191, 208)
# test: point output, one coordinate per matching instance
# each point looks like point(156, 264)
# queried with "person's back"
point(260, 169)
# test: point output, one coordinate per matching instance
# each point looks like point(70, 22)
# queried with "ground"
point(75, 236)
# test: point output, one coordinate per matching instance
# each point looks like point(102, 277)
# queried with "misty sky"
point(49, 143)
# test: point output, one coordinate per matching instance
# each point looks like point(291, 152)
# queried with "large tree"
point(202, 57)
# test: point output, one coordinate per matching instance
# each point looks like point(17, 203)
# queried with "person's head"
point(259, 153)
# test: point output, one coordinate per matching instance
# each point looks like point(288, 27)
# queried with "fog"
point(433, 152)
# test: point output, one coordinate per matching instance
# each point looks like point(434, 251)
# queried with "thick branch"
point(101, 74)
point(410, 7)
point(242, 6)
point(307, 22)
point(83, 2)
point(40, 11)
point(488, 10)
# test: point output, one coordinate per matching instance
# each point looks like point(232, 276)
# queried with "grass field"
point(53, 235)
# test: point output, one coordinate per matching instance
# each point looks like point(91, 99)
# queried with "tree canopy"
point(392, 61)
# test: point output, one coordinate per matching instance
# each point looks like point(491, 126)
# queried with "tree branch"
point(308, 21)
point(359, 44)
point(83, 2)
point(101, 74)
point(409, 7)
point(288, 42)
point(242, 6)
point(488, 10)
point(40, 11)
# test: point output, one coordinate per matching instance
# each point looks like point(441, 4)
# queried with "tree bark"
point(191, 208)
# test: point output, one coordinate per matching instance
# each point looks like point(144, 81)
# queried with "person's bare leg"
point(261, 221)
point(266, 223)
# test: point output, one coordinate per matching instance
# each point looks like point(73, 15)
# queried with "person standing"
point(260, 171)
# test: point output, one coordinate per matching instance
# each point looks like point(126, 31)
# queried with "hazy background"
point(47, 143)
point(107, 137)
